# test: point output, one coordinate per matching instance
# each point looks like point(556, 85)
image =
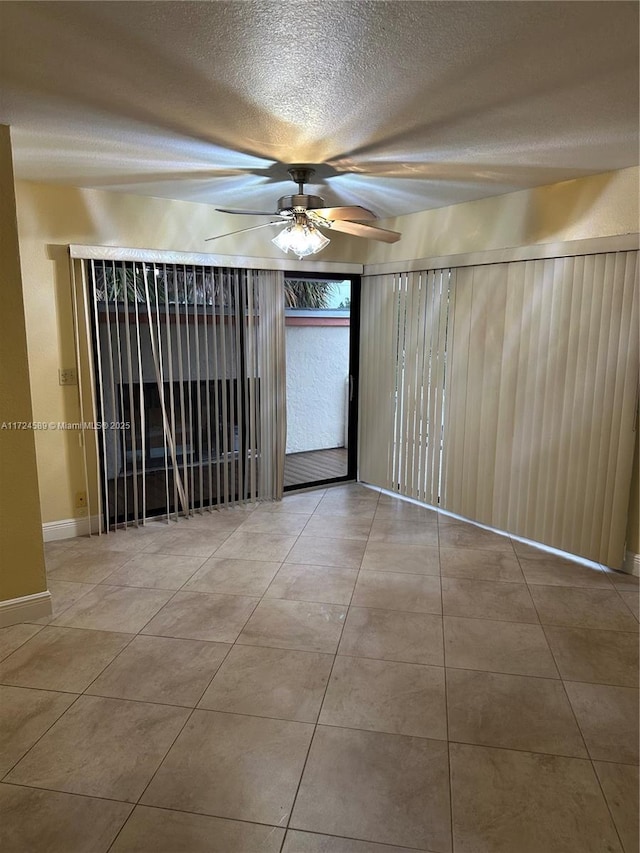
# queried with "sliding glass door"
point(189, 381)
point(321, 339)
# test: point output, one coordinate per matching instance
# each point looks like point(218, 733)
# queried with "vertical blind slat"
point(101, 397)
point(80, 302)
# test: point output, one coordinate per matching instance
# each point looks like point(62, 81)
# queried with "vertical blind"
point(537, 374)
point(402, 385)
point(189, 385)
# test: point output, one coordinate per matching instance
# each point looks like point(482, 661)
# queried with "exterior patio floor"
point(314, 465)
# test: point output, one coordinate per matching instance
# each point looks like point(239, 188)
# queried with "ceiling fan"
point(304, 215)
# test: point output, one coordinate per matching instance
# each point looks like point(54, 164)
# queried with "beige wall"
point(598, 206)
point(51, 217)
point(21, 555)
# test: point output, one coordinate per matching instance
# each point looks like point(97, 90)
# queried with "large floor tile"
point(342, 553)
point(198, 542)
point(120, 541)
point(256, 546)
point(404, 532)
point(357, 501)
point(346, 507)
point(114, 608)
point(245, 768)
point(87, 566)
point(103, 748)
point(375, 780)
point(632, 600)
point(156, 571)
point(66, 659)
point(313, 583)
point(509, 647)
point(394, 557)
point(620, 785)
point(582, 608)
point(307, 626)
point(403, 511)
point(265, 682)
point(338, 526)
point(393, 635)
point(56, 545)
point(354, 490)
point(14, 636)
point(461, 535)
point(219, 522)
point(311, 842)
point(233, 577)
point(396, 591)
point(304, 503)
point(509, 602)
point(445, 518)
point(604, 657)
point(54, 559)
point(556, 571)
point(202, 616)
point(475, 564)
point(36, 821)
point(63, 595)
point(394, 508)
point(26, 716)
point(608, 718)
point(512, 711)
point(378, 787)
point(281, 523)
point(164, 831)
point(160, 669)
point(623, 580)
point(505, 801)
point(386, 696)
point(533, 552)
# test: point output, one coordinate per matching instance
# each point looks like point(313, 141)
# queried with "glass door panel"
point(319, 337)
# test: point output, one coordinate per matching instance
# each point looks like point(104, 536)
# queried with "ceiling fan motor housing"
point(306, 202)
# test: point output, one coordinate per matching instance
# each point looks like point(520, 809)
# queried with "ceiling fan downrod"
point(300, 175)
point(301, 201)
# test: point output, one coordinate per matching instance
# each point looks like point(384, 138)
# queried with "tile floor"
point(341, 672)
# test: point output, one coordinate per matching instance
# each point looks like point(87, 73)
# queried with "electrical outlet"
point(67, 376)
point(81, 504)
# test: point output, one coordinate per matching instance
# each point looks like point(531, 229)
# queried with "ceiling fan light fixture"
point(303, 214)
point(301, 238)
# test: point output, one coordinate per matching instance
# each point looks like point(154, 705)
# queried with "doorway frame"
point(354, 375)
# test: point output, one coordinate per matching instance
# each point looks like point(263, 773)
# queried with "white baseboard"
point(25, 609)
point(67, 528)
point(632, 564)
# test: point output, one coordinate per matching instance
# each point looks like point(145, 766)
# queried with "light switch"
point(67, 376)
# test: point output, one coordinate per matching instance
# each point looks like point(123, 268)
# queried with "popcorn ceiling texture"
point(409, 105)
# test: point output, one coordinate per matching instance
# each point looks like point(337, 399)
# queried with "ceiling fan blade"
point(354, 211)
point(358, 229)
point(242, 230)
point(247, 212)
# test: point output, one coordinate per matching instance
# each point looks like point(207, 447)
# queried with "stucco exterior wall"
point(317, 374)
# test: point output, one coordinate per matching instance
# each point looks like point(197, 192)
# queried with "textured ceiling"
point(407, 105)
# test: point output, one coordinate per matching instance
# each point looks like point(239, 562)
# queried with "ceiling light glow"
point(301, 238)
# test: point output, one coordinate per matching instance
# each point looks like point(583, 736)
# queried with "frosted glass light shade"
point(301, 240)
